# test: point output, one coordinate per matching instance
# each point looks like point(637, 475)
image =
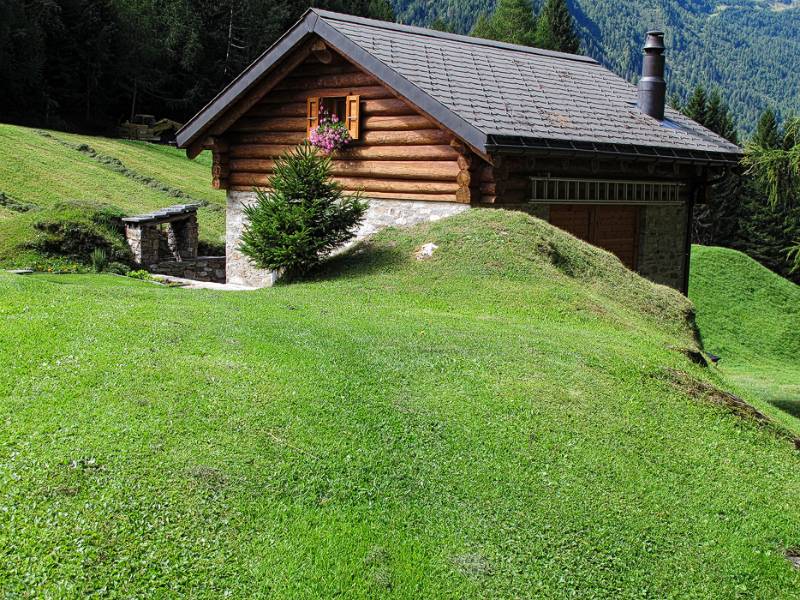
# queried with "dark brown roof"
point(493, 95)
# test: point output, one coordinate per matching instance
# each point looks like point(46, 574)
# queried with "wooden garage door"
point(614, 228)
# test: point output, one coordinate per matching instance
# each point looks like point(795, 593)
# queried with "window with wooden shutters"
point(312, 115)
point(346, 109)
point(352, 104)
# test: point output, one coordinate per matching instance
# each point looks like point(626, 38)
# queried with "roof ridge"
point(334, 16)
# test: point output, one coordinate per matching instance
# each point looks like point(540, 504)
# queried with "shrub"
point(140, 274)
point(99, 260)
point(303, 217)
point(118, 268)
point(75, 229)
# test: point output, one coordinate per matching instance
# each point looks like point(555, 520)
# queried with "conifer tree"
point(719, 118)
point(555, 29)
point(675, 102)
point(439, 24)
point(303, 217)
point(512, 21)
point(696, 107)
point(767, 134)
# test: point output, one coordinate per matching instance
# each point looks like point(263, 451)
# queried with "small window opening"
point(346, 109)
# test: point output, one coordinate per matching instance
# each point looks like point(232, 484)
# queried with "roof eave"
point(557, 147)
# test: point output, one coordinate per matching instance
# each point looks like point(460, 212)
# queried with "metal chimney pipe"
point(652, 87)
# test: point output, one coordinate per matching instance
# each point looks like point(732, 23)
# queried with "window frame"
point(351, 118)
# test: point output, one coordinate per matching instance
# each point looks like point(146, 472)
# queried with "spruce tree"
point(303, 217)
point(719, 118)
point(767, 133)
point(776, 169)
point(556, 28)
point(439, 24)
point(512, 21)
point(675, 102)
point(697, 106)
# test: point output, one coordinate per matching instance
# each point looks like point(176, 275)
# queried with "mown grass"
point(750, 317)
point(43, 171)
point(500, 420)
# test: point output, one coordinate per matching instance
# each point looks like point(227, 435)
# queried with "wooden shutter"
point(352, 105)
point(312, 115)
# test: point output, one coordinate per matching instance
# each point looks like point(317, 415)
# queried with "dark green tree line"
point(87, 64)
point(755, 209)
point(515, 22)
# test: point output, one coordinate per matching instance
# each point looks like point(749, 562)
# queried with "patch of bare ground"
point(793, 556)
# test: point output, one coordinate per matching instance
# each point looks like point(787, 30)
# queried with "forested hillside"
point(88, 64)
point(749, 48)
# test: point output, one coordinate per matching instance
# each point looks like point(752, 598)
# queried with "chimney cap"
point(654, 40)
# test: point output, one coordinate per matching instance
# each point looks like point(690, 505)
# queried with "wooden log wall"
point(507, 181)
point(400, 153)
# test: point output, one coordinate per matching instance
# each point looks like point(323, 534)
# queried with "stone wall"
point(402, 213)
point(662, 244)
point(202, 268)
point(239, 269)
point(152, 238)
point(380, 214)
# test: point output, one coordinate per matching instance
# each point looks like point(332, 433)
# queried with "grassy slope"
point(751, 318)
point(480, 424)
point(40, 170)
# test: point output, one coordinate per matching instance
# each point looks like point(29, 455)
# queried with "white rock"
point(426, 251)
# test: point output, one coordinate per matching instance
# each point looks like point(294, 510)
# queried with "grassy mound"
point(63, 236)
point(751, 318)
point(41, 169)
point(508, 418)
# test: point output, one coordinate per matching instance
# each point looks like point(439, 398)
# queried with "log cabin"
point(442, 123)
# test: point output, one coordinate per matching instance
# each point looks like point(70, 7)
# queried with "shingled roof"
point(495, 96)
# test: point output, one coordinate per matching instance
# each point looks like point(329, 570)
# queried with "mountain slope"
point(509, 418)
point(751, 318)
point(747, 47)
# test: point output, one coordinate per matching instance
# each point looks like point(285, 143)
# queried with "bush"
point(140, 274)
point(99, 260)
point(77, 229)
point(303, 217)
point(118, 268)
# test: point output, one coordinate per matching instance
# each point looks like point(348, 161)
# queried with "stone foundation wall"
point(662, 244)
point(239, 269)
point(380, 214)
point(402, 213)
point(202, 268)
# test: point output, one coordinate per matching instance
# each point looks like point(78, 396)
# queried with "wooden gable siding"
point(400, 153)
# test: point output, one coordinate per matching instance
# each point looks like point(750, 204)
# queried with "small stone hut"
point(442, 123)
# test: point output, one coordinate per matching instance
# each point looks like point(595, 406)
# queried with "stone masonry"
point(662, 243)
point(167, 234)
point(165, 242)
point(380, 214)
point(402, 213)
point(202, 268)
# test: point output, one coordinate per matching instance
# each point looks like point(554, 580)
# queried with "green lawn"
point(505, 419)
point(41, 170)
point(751, 318)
